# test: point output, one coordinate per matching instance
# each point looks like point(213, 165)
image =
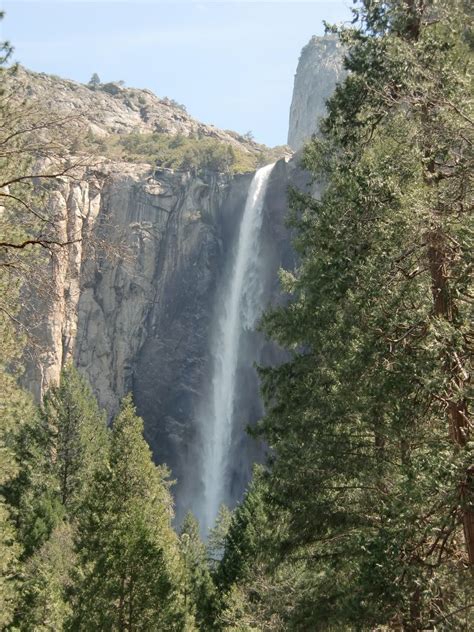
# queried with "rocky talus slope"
point(112, 108)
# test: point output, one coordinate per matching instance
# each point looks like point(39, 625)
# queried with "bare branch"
point(27, 206)
point(51, 176)
point(45, 243)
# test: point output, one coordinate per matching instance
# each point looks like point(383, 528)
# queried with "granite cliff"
point(320, 68)
point(141, 321)
point(132, 301)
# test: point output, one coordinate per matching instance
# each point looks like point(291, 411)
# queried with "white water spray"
point(241, 306)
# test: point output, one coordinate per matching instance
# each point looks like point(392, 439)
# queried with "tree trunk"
point(457, 411)
point(121, 606)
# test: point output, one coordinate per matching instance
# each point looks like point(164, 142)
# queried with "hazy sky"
point(231, 63)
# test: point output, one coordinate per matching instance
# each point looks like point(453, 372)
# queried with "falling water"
point(241, 306)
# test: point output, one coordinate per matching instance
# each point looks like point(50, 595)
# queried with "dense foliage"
point(181, 152)
point(371, 487)
point(363, 518)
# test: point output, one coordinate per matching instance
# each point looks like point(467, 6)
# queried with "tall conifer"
point(370, 423)
point(127, 548)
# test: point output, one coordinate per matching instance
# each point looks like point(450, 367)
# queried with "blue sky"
point(231, 63)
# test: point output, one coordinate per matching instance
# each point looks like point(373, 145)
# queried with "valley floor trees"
point(91, 544)
point(131, 573)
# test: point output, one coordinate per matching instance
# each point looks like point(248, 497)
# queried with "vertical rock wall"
point(320, 68)
point(131, 299)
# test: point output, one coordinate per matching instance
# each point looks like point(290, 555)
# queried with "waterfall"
point(238, 309)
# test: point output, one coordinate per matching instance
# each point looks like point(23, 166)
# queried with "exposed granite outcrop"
point(320, 68)
point(74, 207)
point(116, 109)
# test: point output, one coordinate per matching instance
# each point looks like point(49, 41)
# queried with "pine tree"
point(217, 536)
point(15, 408)
point(369, 422)
point(78, 441)
point(60, 450)
point(47, 579)
point(68, 436)
point(16, 411)
point(243, 539)
point(198, 587)
point(26, 234)
point(253, 589)
point(127, 548)
point(94, 81)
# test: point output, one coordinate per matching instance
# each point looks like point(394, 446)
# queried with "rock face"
point(75, 206)
point(141, 316)
point(173, 367)
point(320, 68)
point(132, 303)
point(131, 300)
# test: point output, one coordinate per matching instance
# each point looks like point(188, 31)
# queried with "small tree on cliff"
point(94, 81)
